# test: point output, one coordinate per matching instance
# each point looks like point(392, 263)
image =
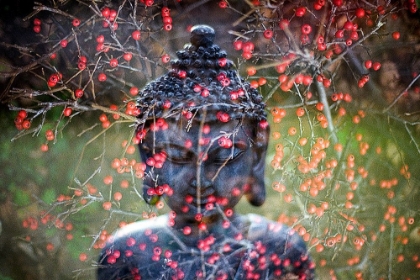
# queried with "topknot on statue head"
point(201, 79)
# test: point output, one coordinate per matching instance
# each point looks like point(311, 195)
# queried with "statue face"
point(208, 166)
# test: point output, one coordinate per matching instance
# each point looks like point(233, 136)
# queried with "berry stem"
point(327, 111)
point(401, 94)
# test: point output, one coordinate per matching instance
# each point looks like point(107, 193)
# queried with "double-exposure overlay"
point(150, 139)
point(204, 143)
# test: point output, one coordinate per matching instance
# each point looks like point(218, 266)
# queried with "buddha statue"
point(203, 135)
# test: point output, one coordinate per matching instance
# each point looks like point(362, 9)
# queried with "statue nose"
point(204, 185)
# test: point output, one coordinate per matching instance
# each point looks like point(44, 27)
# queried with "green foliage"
point(62, 191)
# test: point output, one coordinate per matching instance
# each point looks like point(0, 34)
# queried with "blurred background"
point(342, 167)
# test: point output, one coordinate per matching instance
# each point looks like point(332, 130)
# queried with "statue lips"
point(207, 196)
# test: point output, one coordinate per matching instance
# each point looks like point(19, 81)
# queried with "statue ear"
point(150, 199)
point(148, 183)
point(256, 193)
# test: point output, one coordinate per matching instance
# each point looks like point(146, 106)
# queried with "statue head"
point(203, 132)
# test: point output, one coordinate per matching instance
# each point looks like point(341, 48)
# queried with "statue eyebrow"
point(164, 144)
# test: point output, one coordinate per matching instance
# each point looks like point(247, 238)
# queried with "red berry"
point(320, 78)
point(103, 118)
point(335, 97)
point(284, 23)
point(268, 34)
point(283, 78)
point(112, 14)
point(321, 46)
point(167, 20)
point(281, 68)
point(251, 71)
point(362, 81)
point(26, 124)
point(300, 11)
point(37, 28)
point(44, 148)
point(83, 58)
point(222, 62)
point(319, 106)
point(113, 62)
point(338, 3)
point(222, 116)
point(67, 111)
point(22, 114)
point(167, 104)
point(37, 21)
point(223, 4)
point(306, 29)
point(328, 54)
point(127, 56)
point(182, 74)
point(326, 83)
point(299, 79)
point(102, 77)
point(381, 10)
point(368, 64)
point(167, 27)
point(49, 135)
point(248, 47)
point(360, 12)
point(304, 39)
point(247, 55)
point(376, 66)
point(337, 49)
point(321, 2)
point(396, 35)
point(307, 80)
point(354, 35)
point(134, 91)
point(348, 25)
point(165, 11)
point(81, 65)
point(51, 84)
point(105, 12)
point(300, 112)
point(100, 39)
point(114, 25)
point(237, 45)
point(100, 47)
point(320, 40)
point(413, 8)
point(136, 35)
point(339, 33)
point(107, 205)
point(165, 58)
point(317, 7)
point(186, 230)
point(76, 22)
point(63, 43)
point(78, 93)
point(347, 97)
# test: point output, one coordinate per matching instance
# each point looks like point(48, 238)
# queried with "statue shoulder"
point(281, 243)
point(141, 229)
point(130, 246)
point(261, 228)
